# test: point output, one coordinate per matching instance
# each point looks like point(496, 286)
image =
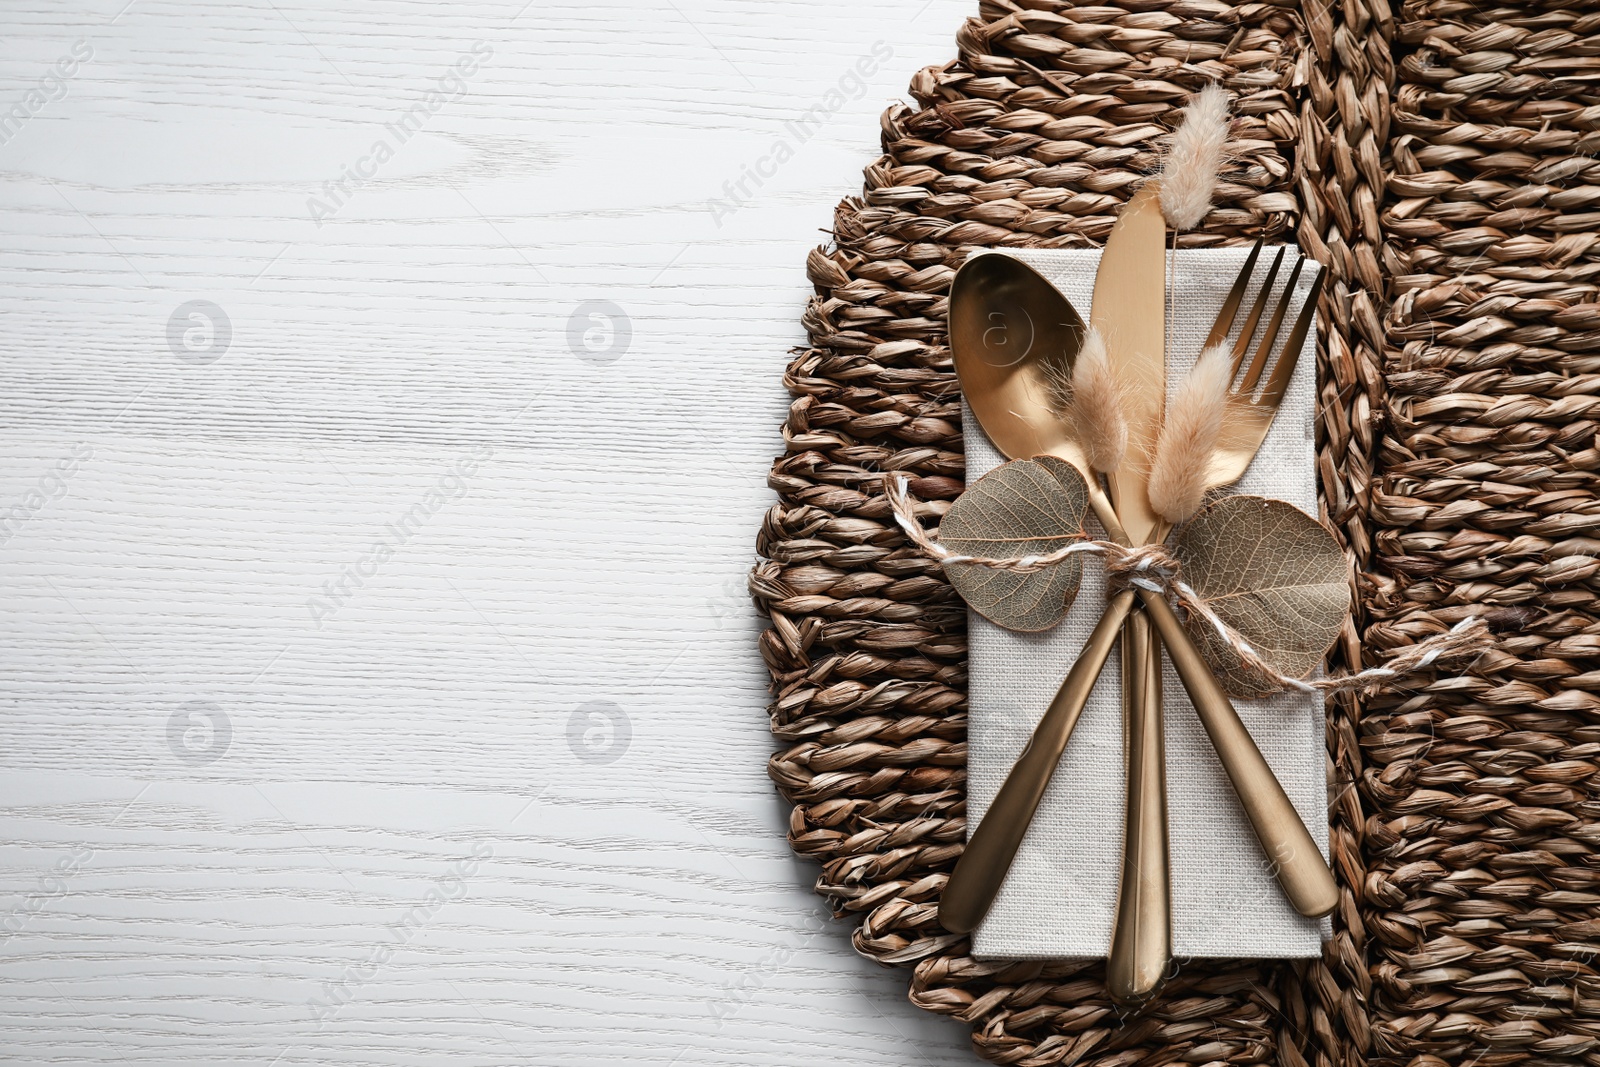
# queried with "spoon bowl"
point(1011, 333)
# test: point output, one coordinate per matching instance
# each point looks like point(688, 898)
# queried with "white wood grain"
point(240, 828)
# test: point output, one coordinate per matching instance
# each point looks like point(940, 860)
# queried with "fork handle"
point(1296, 860)
point(979, 873)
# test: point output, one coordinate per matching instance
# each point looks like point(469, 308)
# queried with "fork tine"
point(1278, 384)
point(1230, 306)
point(1259, 363)
point(1248, 330)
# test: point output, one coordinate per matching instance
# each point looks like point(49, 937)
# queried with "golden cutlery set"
point(1243, 594)
point(1014, 338)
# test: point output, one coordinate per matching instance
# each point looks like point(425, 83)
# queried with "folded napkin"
point(1060, 897)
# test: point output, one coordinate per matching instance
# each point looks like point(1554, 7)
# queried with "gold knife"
point(1129, 310)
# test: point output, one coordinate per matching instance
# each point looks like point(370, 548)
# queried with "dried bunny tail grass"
point(1089, 397)
point(1096, 409)
point(1194, 158)
point(1058, 383)
point(1189, 436)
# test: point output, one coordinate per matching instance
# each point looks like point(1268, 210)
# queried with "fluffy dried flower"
point(1189, 436)
point(1194, 158)
point(1096, 410)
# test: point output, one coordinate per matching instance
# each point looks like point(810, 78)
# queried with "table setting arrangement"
point(1182, 580)
point(1143, 426)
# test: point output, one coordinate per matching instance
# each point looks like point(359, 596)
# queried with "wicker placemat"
point(1438, 161)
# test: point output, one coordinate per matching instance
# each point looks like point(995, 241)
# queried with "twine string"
point(1153, 568)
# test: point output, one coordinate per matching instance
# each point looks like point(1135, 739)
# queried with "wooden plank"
point(376, 680)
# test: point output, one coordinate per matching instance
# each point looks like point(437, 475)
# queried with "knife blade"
point(1130, 311)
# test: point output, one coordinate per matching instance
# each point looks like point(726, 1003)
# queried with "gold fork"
point(1297, 861)
point(1141, 944)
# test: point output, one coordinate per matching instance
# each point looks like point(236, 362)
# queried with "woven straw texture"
point(1438, 159)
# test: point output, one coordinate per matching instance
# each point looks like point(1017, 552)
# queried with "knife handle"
point(979, 873)
point(1141, 942)
point(1296, 860)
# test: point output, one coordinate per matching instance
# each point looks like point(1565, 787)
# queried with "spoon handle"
point(983, 865)
point(1296, 860)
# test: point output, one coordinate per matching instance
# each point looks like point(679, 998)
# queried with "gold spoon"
point(1006, 324)
point(1008, 327)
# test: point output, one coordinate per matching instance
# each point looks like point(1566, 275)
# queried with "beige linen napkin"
point(1059, 898)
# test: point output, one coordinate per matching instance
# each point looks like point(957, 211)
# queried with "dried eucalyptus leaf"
point(1026, 507)
point(1275, 575)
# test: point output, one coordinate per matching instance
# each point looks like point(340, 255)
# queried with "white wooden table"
point(377, 684)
